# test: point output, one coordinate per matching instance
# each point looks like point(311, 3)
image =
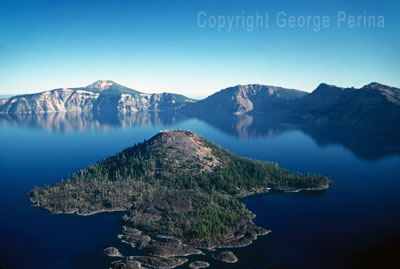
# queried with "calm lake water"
point(346, 226)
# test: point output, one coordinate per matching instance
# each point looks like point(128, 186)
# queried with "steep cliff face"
point(99, 96)
point(243, 99)
point(61, 100)
point(151, 102)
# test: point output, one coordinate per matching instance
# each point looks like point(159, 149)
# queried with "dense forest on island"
point(177, 184)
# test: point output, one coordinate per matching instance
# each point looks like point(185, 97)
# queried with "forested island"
point(180, 192)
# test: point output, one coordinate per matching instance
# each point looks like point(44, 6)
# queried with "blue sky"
point(157, 46)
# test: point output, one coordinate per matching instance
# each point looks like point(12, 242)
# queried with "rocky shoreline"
point(136, 262)
point(167, 251)
point(293, 190)
point(180, 192)
point(264, 190)
point(77, 210)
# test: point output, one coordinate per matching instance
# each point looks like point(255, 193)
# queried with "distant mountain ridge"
point(374, 106)
point(99, 96)
point(243, 99)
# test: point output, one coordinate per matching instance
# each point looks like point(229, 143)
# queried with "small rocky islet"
point(198, 265)
point(181, 194)
point(112, 252)
point(226, 256)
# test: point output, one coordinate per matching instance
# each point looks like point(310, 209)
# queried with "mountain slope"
point(247, 98)
point(374, 106)
point(100, 96)
point(175, 184)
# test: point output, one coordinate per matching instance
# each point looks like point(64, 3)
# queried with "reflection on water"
point(357, 217)
point(66, 122)
point(247, 125)
point(366, 146)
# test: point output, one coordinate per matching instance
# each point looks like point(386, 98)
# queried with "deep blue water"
point(357, 217)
